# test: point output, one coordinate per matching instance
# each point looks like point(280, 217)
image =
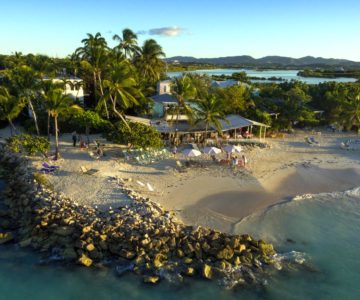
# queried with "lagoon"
point(285, 74)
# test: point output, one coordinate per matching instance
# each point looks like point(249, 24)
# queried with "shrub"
point(140, 136)
point(41, 179)
point(28, 144)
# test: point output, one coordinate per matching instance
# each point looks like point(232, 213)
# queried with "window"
point(164, 88)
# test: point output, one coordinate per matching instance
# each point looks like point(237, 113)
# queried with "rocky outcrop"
point(140, 237)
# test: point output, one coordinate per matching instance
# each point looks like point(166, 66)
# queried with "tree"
point(127, 43)
point(121, 89)
point(184, 90)
point(94, 55)
point(149, 63)
point(10, 107)
point(350, 114)
point(26, 82)
point(59, 104)
point(210, 111)
point(236, 98)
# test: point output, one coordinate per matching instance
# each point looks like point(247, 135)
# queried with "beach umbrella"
point(191, 152)
point(212, 150)
point(232, 149)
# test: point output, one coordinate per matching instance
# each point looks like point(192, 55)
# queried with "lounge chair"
point(87, 171)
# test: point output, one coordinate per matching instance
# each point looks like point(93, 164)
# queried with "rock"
point(25, 243)
point(127, 254)
point(226, 253)
point(90, 247)
point(151, 279)
point(6, 237)
point(158, 260)
point(207, 271)
point(86, 229)
point(187, 260)
point(189, 271)
point(237, 261)
point(69, 253)
point(64, 230)
point(267, 249)
point(86, 261)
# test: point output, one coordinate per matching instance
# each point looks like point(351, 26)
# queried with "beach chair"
point(87, 171)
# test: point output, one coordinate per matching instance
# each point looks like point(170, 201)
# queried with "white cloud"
point(163, 31)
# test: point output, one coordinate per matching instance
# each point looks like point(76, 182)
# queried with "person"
point(74, 138)
point(174, 151)
point(82, 143)
point(244, 159)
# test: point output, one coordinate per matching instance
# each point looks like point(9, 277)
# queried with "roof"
point(138, 120)
point(233, 122)
point(164, 98)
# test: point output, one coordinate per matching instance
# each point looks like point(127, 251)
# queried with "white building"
point(73, 87)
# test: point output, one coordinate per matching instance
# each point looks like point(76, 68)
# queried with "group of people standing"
point(99, 151)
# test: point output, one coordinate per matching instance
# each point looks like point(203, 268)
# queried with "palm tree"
point(57, 103)
point(10, 107)
point(183, 90)
point(351, 109)
point(210, 111)
point(127, 43)
point(94, 55)
point(121, 89)
point(148, 61)
point(26, 82)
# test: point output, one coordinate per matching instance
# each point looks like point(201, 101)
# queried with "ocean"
point(321, 232)
point(285, 74)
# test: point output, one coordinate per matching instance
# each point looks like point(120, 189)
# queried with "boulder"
point(64, 230)
point(25, 243)
point(151, 279)
point(6, 237)
point(227, 253)
point(90, 247)
point(86, 261)
point(207, 271)
point(189, 271)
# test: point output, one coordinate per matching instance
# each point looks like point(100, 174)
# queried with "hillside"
point(245, 60)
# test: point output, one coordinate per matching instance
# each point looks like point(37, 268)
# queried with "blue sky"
point(200, 28)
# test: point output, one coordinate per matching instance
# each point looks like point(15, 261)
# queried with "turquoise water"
point(285, 74)
point(323, 229)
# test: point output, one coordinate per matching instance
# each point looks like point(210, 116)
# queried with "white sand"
point(214, 196)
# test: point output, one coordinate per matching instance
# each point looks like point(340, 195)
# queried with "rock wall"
point(141, 237)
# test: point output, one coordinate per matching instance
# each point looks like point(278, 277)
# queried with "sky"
point(200, 28)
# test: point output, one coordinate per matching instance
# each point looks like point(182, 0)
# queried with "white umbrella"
point(232, 149)
point(191, 152)
point(212, 150)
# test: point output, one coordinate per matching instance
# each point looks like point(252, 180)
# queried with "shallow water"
point(285, 74)
point(325, 227)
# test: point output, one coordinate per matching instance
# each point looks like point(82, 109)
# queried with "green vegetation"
point(119, 80)
point(329, 73)
point(136, 135)
point(28, 144)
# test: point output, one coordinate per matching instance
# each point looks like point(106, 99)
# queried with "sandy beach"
point(211, 195)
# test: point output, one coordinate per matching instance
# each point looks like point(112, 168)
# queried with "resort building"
point(178, 129)
point(73, 87)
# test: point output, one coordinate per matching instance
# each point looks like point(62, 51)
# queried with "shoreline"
point(141, 237)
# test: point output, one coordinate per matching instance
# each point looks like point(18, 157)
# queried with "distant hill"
point(267, 61)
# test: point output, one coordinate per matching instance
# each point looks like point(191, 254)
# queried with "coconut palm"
point(10, 107)
point(121, 89)
point(26, 82)
point(210, 111)
point(127, 43)
point(57, 103)
point(351, 109)
point(183, 90)
point(148, 61)
point(94, 55)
